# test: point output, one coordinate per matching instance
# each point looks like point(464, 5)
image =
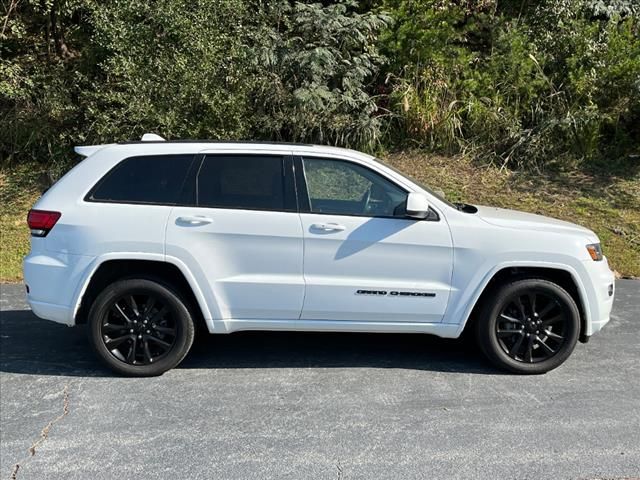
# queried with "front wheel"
point(140, 327)
point(529, 326)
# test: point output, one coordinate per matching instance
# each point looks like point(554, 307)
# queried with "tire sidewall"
point(488, 339)
point(184, 324)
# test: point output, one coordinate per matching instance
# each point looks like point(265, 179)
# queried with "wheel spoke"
point(121, 312)
point(151, 302)
point(516, 347)
point(509, 331)
point(532, 302)
point(159, 315)
point(551, 320)
point(112, 343)
point(553, 335)
point(112, 328)
point(521, 307)
point(131, 356)
point(147, 352)
point(528, 353)
point(543, 313)
point(511, 319)
point(133, 305)
point(162, 343)
point(165, 330)
point(545, 346)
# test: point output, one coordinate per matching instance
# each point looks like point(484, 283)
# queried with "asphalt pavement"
point(317, 406)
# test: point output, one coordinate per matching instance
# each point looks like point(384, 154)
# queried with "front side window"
point(344, 188)
point(155, 179)
point(253, 182)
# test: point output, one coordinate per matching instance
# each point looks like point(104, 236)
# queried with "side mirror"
point(417, 205)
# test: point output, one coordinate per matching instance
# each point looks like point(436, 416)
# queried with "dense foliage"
point(523, 83)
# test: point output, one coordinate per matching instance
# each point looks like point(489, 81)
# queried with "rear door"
point(240, 234)
point(364, 260)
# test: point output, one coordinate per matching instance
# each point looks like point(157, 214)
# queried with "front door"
point(364, 260)
point(242, 236)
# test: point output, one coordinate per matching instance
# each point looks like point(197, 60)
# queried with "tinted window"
point(147, 179)
point(341, 187)
point(254, 182)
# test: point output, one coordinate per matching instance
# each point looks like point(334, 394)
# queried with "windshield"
point(420, 184)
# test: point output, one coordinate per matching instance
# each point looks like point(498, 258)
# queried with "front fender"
point(465, 300)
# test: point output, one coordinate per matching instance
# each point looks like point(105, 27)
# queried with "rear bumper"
point(52, 279)
point(51, 311)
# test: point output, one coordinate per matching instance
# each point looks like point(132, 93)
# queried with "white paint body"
point(269, 270)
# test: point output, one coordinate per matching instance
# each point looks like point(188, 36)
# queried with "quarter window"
point(253, 182)
point(344, 188)
point(155, 179)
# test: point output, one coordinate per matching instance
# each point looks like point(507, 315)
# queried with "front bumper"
point(600, 299)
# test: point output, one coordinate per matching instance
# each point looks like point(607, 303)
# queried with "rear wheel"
point(529, 326)
point(140, 327)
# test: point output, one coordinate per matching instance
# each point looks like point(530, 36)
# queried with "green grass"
point(18, 191)
point(609, 205)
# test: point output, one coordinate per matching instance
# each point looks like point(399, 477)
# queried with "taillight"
point(42, 221)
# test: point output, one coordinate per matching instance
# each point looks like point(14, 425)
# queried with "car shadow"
point(29, 345)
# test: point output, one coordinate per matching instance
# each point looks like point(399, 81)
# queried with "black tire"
point(148, 336)
point(528, 326)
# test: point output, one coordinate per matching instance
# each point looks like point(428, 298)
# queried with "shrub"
point(548, 85)
point(84, 71)
point(313, 69)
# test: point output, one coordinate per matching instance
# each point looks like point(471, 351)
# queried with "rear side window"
point(155, 179)
point(252, 182)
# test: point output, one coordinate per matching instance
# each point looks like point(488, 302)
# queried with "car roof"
point(156, 145)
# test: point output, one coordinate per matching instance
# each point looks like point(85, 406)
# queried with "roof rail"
point(152, 137)
point(88, 150)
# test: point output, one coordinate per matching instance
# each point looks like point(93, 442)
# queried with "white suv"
point(146, 240)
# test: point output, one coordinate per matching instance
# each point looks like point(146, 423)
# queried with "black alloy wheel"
point(532, 327)
point(528, 326)
point(140, 327)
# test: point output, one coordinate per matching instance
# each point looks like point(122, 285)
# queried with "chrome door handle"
point(328, 227)
point(194, 220)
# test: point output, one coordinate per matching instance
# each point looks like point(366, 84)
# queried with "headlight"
point(595, 250)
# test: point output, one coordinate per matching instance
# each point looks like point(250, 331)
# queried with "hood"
point(502, 217)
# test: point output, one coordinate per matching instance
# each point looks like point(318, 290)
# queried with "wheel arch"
point(112, 268)
point(564, 277)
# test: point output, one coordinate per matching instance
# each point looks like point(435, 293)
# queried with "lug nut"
point(140, 336)
point(148, 331)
